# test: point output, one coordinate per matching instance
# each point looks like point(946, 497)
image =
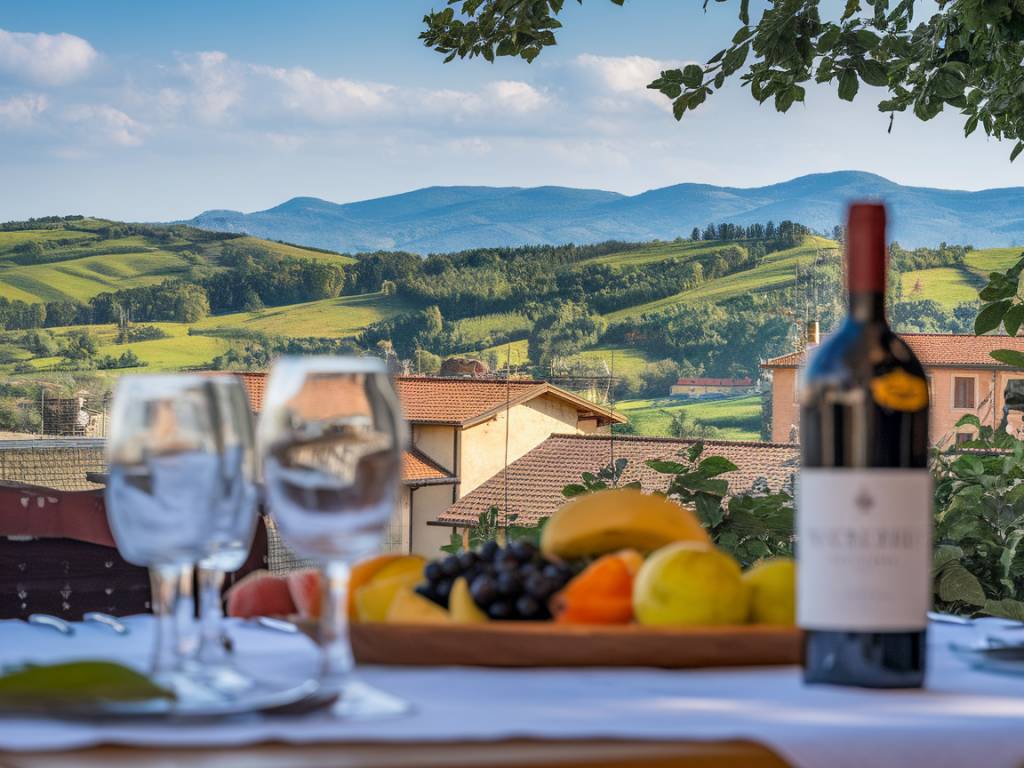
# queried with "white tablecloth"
point(963, 718)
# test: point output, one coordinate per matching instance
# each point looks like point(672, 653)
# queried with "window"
point(963, 437)
point(963, 392)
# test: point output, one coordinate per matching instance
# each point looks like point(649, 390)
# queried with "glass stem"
point(212, 649)
point(336, 658)
point(164, 580)
point(188, 639)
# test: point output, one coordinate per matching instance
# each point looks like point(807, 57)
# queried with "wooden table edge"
point(610, 753)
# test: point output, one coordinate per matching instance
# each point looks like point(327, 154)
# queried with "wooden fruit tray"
point(545, 644)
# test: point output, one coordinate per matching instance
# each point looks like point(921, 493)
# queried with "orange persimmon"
point(600, 594)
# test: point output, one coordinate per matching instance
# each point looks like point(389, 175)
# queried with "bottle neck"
point(867, 306)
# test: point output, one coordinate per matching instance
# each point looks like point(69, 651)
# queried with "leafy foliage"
point(607, 477)
point(492, 525)
point(966, 55)
point(979, 525)
point(1003, 305)
point(748, 526)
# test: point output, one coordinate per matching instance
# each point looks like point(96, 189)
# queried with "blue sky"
point(159, 110)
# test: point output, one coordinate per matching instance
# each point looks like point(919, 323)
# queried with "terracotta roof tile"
point(437, 400)
point(936, 350)
point(432, 400)
point(536, 480)
point(419, 469)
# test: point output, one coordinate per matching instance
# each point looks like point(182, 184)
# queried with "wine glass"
point(233, 525)
point(164, 464)
point(331, 437)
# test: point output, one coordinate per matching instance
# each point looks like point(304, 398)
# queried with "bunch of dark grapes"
point(513, 582)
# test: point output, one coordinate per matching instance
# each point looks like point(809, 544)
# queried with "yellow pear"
point(461, 606)
point(690, 583)
point(407, 607)
point(772, 585)
point(621, 518)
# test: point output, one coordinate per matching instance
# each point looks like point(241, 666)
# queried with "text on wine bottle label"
point(864, 549)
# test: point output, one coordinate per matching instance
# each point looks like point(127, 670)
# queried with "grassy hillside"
point(777, 270)
point(339, 317)
point(735, 419)
point(80, 259)
point(993, 259)
point(948, 286)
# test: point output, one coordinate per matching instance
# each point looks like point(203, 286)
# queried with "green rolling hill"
point(77, 260)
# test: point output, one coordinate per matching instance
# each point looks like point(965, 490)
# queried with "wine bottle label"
point(864, 549)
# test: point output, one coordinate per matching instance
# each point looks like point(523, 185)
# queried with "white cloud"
point(516, 96)
point(622, 80)
point(22, 111)
point(107, 124)
point(45, 59)
point(217, 84)
point(326, 99)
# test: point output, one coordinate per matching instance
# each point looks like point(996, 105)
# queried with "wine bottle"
point(864, 494)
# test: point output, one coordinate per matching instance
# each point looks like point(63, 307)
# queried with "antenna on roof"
point(508, 408)
point(611, 425)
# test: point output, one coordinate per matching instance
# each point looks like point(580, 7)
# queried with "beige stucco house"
point(962, 379)
point(468, 430)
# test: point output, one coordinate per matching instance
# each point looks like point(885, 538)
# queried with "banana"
point(621, 518)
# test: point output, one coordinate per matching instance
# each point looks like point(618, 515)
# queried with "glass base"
point(359, 701)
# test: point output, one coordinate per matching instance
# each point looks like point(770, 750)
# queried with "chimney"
point(812, 334)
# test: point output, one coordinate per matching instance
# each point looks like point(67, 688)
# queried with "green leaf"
point(693, 75)
point(872, 72)
point(1009, 357)
point(713, 466)
point(735, 58)
point(848, 85)
point(678, 108)
point(969, 420)
point(990, 316)
point(1005, 609)
point(944, 555)
point(999, 287)
point(948, 84)
point(1016, 150)
point(957, 584)
point(77, 683)
point(1013, 318)
point(454, 545)
point(709, 510)
point(666, 467)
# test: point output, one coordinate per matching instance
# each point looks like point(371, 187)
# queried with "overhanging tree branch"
point(968, 56)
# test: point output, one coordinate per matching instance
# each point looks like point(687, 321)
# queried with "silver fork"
point(53, 622)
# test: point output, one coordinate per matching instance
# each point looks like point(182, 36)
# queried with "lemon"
point(689, 583)
point(772, 585)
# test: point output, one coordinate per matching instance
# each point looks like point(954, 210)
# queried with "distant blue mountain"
point(439, 219)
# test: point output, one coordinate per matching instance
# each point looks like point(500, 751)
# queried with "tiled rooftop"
point(935, 350)
point(419, 469)
point(455, 401)
point(430, 400)
point(536, 480)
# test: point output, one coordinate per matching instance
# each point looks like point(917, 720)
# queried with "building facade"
point(963, 379)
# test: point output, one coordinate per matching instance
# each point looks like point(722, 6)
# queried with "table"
point(504, 717)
